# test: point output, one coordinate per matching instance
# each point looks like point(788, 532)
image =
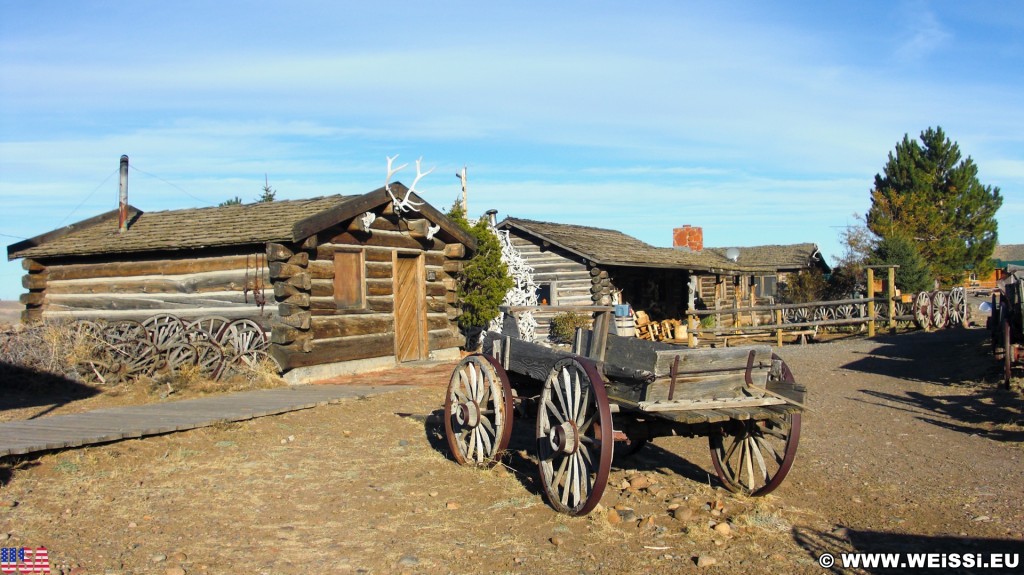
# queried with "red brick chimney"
point(688, 238)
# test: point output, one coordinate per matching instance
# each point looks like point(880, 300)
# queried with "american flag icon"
point(24, 560)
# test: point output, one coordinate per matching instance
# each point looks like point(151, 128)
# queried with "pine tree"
point(912, 276)
point(484, 280)
point(235, 201)
point(933, 197)
point(269, 193)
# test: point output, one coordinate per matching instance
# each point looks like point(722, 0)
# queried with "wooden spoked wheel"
point(923, 310)
point(209, 358)
point(207, 328)
point(574, 437)
point(243, 335)
point(164, 330)
point(179, 355)
point(1008, 352)
point(753, 457)
point(478, 411)
point(940, 309)
point(957, 307)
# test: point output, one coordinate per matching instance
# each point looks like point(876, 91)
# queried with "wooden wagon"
point(1007, 324)
point(611, 394)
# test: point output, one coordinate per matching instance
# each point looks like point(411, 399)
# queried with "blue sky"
point(761, 122)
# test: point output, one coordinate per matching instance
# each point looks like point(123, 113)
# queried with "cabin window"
point(546, 294)
point(766, 286)
point(349, 280)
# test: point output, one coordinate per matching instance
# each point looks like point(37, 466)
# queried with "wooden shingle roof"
point(1009, 253)
point(781, 257)
point(222, 226)
point(610, 247)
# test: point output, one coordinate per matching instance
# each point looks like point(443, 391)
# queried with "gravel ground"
point(910, 447)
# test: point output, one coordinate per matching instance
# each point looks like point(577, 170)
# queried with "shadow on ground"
point(970, 550)
point(945, 357)
point(21, 387)
point(995, 413)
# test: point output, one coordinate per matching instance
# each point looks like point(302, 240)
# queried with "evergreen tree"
point(912, 276)
point(484, 280)
point(933, 197)
point(235, 201)
point(268, 192)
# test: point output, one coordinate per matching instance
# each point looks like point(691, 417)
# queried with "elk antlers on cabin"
point(406, 203)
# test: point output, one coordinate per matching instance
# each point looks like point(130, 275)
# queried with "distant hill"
point(10, 312)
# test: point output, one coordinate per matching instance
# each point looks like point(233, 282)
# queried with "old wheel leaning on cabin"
point(923, 310)
point(209, 359)
point(478, 411)
point(244, 335)
point(753, 457)
point(957, 307)
point(574, 437)
point(207, 328)
point(940, 309)
point(164, 330)
point(179, 355)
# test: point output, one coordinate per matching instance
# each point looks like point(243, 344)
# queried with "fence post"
point(892, 300)
point(691, 327)
point(871, 302)
point(778, 332)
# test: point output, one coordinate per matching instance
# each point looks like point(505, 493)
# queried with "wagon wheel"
point(124, 331)
point(164, 330)
point(478, 411)
point(136, 358)
point(1009, 352)
point(753, 457)
point(923, 310)
point(574, 437)
point(206, 328)
point(209, 358)
point(98, 367)
point(180, 354)
point(241, 363)
point(243, 335)
point(940, 309)
point(957, 307)
point(824, 314)
point(844, 311)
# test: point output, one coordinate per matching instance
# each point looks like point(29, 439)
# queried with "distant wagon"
point(335, 284)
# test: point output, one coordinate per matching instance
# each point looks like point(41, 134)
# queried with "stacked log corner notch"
point(600, 287)
point(292, 288)
point(35, 282)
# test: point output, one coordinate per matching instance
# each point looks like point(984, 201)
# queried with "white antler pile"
point(523, 293)
point(404, 204)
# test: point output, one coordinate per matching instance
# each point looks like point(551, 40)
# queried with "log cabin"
point(582, 265)
point(338, 283)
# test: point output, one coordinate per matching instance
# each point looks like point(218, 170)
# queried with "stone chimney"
point(688, 238)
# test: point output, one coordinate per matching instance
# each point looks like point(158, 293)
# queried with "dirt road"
point(910, 447)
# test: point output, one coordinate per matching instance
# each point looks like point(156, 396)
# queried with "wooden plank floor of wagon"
point(114, 424)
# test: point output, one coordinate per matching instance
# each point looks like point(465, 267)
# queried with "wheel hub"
point(564, 438)
point(468, 414)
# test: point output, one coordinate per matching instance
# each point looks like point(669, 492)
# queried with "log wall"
point(314, 330)
point(571, 279)
point(188, 287)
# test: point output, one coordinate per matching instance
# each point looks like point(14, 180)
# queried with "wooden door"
point(410, 308)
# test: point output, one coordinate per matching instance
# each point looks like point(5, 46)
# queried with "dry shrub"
point(52, 348)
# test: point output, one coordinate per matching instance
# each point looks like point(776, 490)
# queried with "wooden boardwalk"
point(113, 424)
